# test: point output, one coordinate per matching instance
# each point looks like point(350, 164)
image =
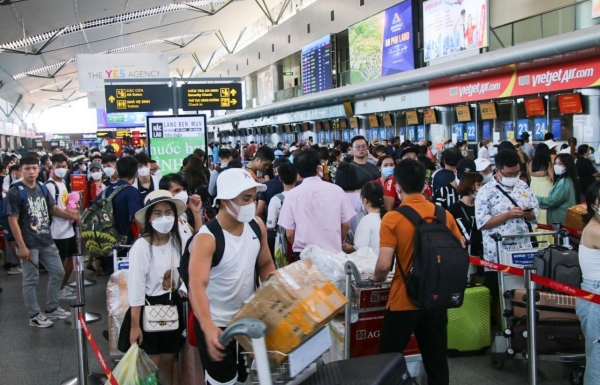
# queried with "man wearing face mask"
point(484, 167)
point(217, 293)
point(62, 229)
point(145, 182)
point(154, 169)
point(224, 159)
point(109, 166)
point(504, 206)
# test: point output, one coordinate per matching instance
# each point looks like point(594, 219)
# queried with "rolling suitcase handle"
point(255, 329)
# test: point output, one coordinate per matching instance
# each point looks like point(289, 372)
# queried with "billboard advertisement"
point(121, 120)
point(583, 73)
point(452, 26)
point(595, 9)
point(172, 138)
point(382, 45)
point(265, 87)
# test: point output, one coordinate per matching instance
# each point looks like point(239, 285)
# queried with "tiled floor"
point(30, 355)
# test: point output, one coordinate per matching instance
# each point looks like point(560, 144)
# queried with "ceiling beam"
point(221, 38)
point(265, 9)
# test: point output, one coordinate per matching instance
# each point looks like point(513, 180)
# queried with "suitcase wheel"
point(575, 377)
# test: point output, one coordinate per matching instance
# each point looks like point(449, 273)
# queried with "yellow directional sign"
point(211, 96)
point(111, 99)
point(137, 98)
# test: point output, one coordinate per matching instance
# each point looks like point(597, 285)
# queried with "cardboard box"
point(575, 217)
point(294, 303)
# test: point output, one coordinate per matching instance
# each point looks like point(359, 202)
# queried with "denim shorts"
point(589, 315)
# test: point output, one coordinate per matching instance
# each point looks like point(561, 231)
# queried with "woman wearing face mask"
point(589, 259)
point(483, 152)
point(175, 184)
point(585, 167)
point(367, 232)
point(95, 185)
point(153, 279)
point(541, 172)
point(386, 166)
point(463, 212)
point(565, 191)
point(81, 169)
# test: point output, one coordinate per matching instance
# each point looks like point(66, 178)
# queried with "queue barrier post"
point(79, 240)
point(531, 320)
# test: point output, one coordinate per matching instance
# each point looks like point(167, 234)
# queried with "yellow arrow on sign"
point(233, 92)
point(233, 101)
point(111, 99)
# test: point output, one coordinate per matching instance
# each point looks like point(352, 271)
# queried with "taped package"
point(294, 303)
point(117, 304)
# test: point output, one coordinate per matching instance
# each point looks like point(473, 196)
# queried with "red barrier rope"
point(563, 288)
point(94, 346)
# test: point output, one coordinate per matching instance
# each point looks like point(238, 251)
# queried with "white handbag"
point(161, 318)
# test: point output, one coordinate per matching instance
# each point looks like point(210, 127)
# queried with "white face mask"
point(244, 213)
point(109, 171)
point(163, 224)
point(457, 181)
point(509, 182)
point(158, 173)
point(60, 172)
point(559, 170)
point(84, 169)
point(487, 178)
point(96, 175)
point(144, 171)
point(182, 195)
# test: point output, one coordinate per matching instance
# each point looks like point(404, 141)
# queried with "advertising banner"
point(452, 26)
point(121, 120)
point(93, 69)
point(117, 145)
point(582, 73)
point(397, 53)
point(172, 138)
point(595, 9)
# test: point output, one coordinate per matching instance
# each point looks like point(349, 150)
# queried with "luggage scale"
point(510, 254)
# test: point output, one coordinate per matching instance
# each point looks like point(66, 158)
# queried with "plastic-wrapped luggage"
point(548, 306)
point(469, 326)
point(117, 304)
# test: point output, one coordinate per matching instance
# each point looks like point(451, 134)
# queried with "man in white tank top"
point(218, 292)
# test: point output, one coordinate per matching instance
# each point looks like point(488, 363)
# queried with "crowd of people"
point(235, 207)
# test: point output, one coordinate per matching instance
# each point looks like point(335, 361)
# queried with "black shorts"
point(491, 282)
point(222, 371)
point(66, 247)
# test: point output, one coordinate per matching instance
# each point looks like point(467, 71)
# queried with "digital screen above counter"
point(316, 66)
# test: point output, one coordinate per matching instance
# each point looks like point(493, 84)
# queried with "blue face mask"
point(387, 172)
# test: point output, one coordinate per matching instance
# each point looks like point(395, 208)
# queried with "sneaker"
point(15, 270)
point(58, 313)
point(66, 294)
point(40, 321)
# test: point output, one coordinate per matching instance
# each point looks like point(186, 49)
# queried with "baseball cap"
point(525, 135)
point(465, 166)
point(481, 164)
point(408, 150)
point(234, 181)
point(293, 148)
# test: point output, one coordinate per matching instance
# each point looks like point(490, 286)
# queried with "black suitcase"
point(559, 264)
point(551, 338)
point(383, 369)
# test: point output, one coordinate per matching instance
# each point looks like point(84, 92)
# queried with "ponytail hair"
point(373, 193)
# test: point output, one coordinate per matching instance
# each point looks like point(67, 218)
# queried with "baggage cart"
point(504, 346)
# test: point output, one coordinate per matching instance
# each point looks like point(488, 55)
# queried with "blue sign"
point(390, 133)
point(398, 49)
point(346, 135)
point(508, 127)
point(374, 133)
point(523, 259)
point(557, 128)
point(471, 132)
point(382, 135)
point(522, 126)
point(539, 128)
point(411, 133)
point(487, 129)
point(457, 129)
point(420, 132)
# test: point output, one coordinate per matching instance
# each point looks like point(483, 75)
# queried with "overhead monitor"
point(316, 66)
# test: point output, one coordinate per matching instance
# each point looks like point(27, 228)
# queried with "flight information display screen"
point(316, 66)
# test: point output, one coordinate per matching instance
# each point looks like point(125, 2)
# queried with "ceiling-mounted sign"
point(93, 69)
point(227, 96)
point(137, 98)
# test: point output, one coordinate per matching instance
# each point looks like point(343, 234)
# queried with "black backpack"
point(215, 228)
point(438, 277)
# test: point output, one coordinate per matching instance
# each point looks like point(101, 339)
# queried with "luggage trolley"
point(510, 254)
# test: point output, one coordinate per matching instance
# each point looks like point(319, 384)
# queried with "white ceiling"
point(28, 18)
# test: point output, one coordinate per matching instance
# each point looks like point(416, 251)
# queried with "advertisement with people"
point(453, 26)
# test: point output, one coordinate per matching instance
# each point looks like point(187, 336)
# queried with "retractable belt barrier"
point(563, 288)
point(96, 350)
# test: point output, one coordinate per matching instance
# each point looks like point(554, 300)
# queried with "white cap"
point(566, 150)
point(293, 148)
point(234, 181)
point(481, 164)
point(551, 144)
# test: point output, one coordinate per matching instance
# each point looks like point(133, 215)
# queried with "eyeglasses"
point(513, 175)
point(159, 214)
point(362, 147)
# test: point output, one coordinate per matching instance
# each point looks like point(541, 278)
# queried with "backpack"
point(438, 277)
point(23, 199)
point(98, 225)
point(55, 192)
point(215, 228)
point(559, 264)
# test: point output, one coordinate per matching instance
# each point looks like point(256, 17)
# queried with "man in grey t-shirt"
point(29, 209)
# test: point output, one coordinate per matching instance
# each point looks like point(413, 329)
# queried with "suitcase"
point(549, 307)
point(469, 326)
point(559, 264)
point(551, 338)
point(383, 369)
